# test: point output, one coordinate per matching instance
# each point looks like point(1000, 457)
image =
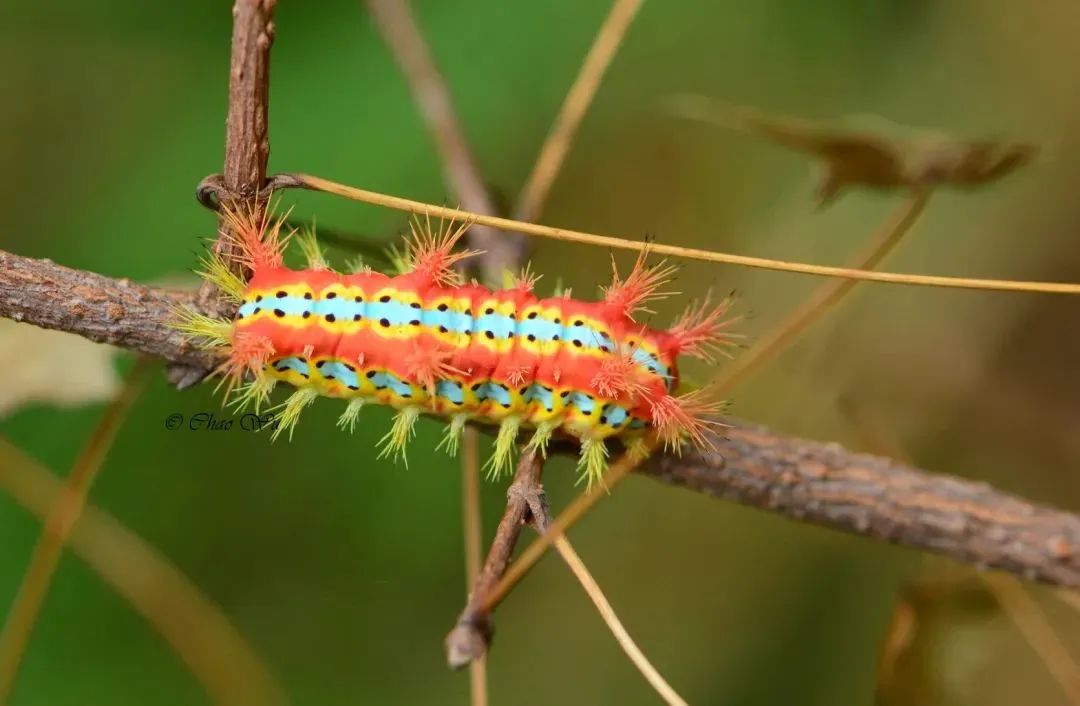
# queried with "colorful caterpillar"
point(424, 342)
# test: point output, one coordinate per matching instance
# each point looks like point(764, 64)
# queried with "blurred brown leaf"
point(878, 159)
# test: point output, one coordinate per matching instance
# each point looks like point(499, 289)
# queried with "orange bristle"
point(640, 286)
point(430, 252)
point(256, 235)
point(516, 377)
point(247, 352)
point(687, 415)
point(619, 377)
point(525, 281)
point(701, 331)
point(426, 363)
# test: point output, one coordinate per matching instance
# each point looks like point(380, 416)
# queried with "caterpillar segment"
point(425, 343)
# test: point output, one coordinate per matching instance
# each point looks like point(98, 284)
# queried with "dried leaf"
point(887, 157)
point(53, 367)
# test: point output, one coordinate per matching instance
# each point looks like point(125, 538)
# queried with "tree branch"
point(118, 312)
point(247, 140)
point(804, 480)
point(827, 485)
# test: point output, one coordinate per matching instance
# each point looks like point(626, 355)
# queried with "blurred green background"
point(344, 571)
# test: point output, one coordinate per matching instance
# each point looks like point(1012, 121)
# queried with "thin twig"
point(198, 630)
point(314, 183)
point(400, 31)
point(617, 471)
point(247, 142)
point(470, 637)
point(62, 517)
point(247, 135)
point(557, 143)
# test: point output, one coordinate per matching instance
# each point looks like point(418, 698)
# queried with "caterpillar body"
point(426, 343)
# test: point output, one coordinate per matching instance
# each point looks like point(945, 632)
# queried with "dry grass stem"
point(557, 143)
point(577, 566)
point(198, 630)
point(373, 197)
point(402, 34)
point(470, 509)
point(822, 300)
point(62, 517)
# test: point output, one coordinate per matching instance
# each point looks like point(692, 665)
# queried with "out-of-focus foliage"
point(52, 367)
point(345, 571)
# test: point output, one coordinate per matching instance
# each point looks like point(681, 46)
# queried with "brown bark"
point(827, 485)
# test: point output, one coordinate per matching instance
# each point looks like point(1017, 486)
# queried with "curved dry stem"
point(577, 566)
point(578, 99)
point(823, 299)
point(402, 204)
point(1024, 612)
point(402, 34)
point(196, 628)
point(540, 519)
point(62, 517)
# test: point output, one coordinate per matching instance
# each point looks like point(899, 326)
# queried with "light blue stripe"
point(345, 308)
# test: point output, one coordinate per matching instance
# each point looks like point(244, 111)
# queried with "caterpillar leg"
point(637, 448)
point(348, 419)
point(541, 437)
point(592, 462)
point(452, 438)
point(403, 429)
point(291, 410)
point(253, 394)
point(502, 459)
